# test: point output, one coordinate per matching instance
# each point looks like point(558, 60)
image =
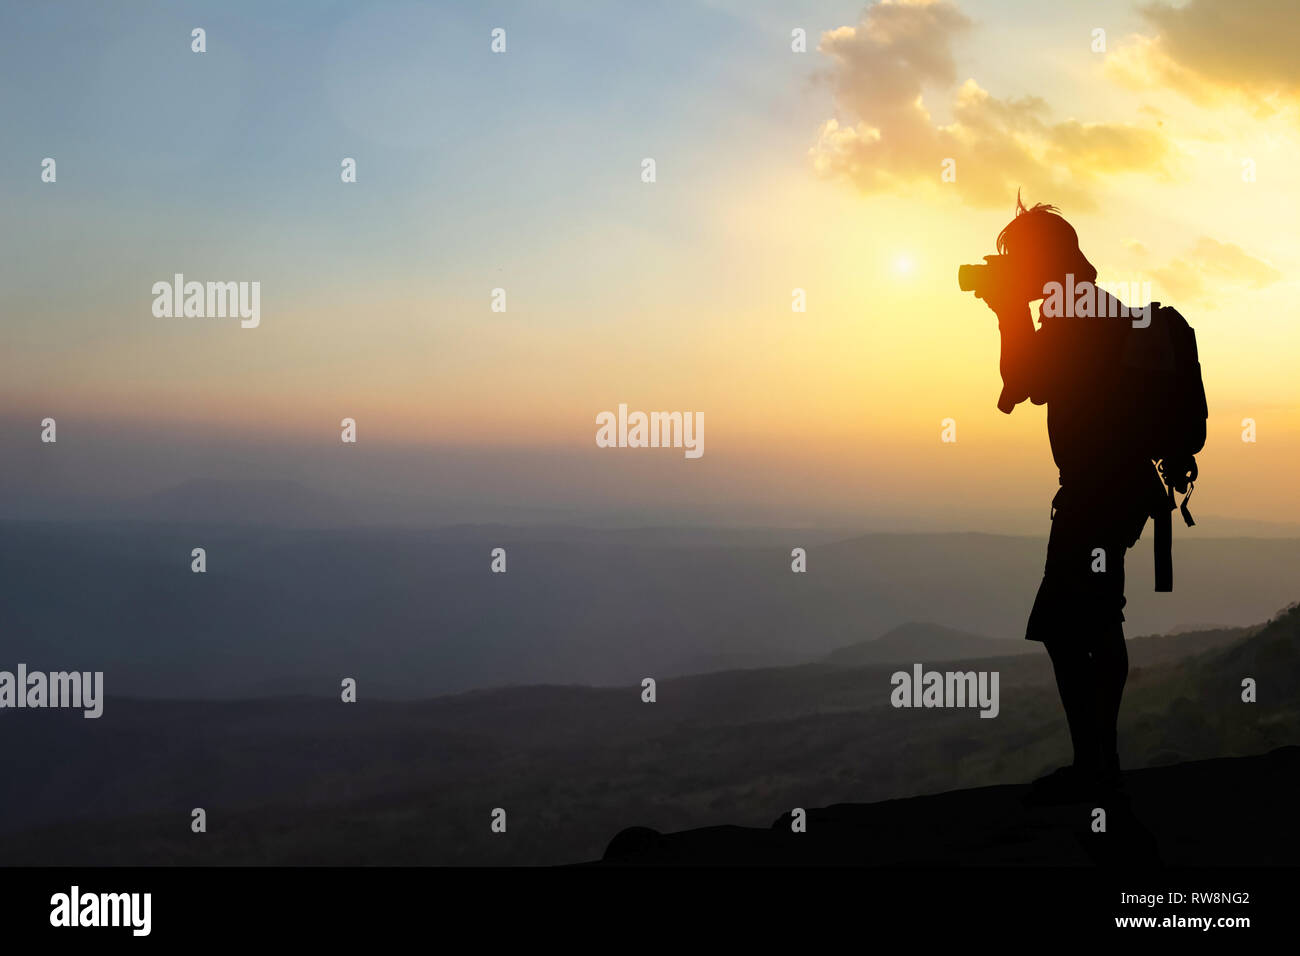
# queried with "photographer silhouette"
point(1124, 398)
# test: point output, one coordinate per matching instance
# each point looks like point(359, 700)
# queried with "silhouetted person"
point(1109, 484)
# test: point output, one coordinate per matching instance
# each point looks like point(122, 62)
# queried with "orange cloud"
point(996, 145)
point(1211, 262)
point(1211, 50)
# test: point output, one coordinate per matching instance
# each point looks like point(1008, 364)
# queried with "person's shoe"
point(1062, 786)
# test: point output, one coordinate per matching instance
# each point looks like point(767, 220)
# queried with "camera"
point(980, 278)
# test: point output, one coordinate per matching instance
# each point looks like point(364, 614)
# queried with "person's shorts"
point(1077, 599)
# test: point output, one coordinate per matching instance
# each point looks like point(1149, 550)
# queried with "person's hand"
point(1011, 295)
point(1006, 305)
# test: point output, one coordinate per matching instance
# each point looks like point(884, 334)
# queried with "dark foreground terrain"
point(1226, 812)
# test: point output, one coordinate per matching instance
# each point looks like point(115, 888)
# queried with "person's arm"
point(1023, 361)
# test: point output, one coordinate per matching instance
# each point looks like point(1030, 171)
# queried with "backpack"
point(1168, 401)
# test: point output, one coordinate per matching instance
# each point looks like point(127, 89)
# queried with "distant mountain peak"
point(278, 502)
point(193, 486)
point(922, 641)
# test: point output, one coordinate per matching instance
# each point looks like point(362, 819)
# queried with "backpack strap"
point(1162, 518)
point(1187, 515)
point(1162, 512)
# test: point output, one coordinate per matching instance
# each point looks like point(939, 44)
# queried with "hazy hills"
point(918, 641)
point(414, 613)
point(283, 613)
point(318, 781)
point(276, 504)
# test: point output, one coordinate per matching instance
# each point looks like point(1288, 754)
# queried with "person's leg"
point(1110, 660)
point(1073, 668)
point(1065, 605)
point(1076, 680)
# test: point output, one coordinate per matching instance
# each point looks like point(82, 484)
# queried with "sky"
point(818, 170)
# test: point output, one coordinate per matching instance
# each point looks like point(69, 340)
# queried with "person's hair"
point(1042, 227)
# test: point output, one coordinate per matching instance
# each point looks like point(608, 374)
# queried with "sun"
point(903, 265)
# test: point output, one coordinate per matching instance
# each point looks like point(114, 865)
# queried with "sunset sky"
point(775, 170)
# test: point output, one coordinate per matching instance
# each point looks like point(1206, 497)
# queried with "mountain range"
point(318, 781)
